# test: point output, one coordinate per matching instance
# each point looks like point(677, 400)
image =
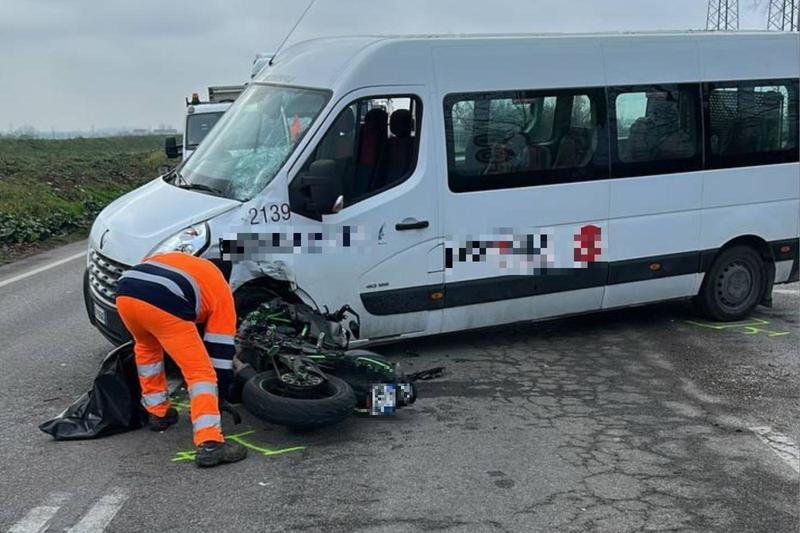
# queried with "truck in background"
point(200, 118)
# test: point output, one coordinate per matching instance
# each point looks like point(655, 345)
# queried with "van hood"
point(131, 226)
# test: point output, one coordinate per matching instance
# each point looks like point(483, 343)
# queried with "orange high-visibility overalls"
point(161, 301)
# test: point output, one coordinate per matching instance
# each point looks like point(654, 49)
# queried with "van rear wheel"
point(734, 285)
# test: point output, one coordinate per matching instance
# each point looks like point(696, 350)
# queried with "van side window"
point(525, 138)
point(655, 130)
point(371, 147)
point(752, 123)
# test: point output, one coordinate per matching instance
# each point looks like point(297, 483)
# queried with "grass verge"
point(51, 190)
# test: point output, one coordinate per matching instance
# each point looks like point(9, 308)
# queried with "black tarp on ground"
point(111, 406)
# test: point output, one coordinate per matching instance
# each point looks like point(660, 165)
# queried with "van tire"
point(734, 285)
point(260, 399)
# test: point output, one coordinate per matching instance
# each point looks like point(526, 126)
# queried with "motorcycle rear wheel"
point(265, 397)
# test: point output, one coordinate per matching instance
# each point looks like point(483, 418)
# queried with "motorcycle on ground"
point(296, 370)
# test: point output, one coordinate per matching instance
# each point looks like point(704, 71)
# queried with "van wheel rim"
point(735, 285)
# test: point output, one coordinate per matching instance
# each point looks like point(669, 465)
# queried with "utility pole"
point(723, 15)
point(784, 15)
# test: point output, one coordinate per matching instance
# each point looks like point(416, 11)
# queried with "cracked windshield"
point(250, 144)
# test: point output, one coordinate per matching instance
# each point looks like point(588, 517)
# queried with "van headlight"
point(192, 240)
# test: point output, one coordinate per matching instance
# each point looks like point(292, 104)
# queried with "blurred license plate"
point(100, 314)
point(384, 399)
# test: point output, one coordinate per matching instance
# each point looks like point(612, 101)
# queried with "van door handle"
point(410, 223)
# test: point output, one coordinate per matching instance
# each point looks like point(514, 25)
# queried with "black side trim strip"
point(477, 291)
point(792, 252)
point(794, 275)
point(707, 259)
point(573, 279)
point(501, 288)
point(395, 301)
point(654, 267)
point(788, 250)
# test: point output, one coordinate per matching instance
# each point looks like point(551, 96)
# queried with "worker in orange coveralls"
point(161, 301)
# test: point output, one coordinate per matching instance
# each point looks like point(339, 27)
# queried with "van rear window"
point(751, 123)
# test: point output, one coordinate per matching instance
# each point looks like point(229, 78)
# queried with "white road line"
point(783, 446)
point(37, 518)
point(102, 513)
point(35, 271)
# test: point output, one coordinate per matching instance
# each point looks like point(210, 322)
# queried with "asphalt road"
point(644, 419)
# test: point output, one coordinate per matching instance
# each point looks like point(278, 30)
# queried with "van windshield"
point(252, 141)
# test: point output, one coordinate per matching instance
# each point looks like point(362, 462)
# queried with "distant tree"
point(26, 132)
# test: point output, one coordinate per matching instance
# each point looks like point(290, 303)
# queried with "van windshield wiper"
point(199, 187)
point(180, 182)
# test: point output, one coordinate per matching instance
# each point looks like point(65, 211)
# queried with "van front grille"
point(104, 273)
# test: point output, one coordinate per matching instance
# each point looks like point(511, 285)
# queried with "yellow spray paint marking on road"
point(753, 326)
point(189, 455)
point(179, 405)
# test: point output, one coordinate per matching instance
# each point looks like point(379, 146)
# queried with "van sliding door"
point(526, 213)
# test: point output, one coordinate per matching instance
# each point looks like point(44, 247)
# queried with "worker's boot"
point(160, 423)
point(212, 453)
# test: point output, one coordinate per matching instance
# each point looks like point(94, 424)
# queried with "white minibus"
point(437, 184)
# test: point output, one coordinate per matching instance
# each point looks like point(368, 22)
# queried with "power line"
point(723, 15)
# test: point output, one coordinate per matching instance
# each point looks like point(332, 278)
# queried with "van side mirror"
point(320, 187)
point(172, 148)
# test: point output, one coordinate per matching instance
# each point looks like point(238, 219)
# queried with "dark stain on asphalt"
point(505, 483)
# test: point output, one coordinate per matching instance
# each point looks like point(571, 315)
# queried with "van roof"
point(344, 63)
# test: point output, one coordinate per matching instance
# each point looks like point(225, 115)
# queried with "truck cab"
point(199, 121)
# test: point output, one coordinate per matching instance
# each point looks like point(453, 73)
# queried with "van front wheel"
point(734, 285)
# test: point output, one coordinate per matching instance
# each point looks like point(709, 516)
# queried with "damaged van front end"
point(233, 183)
point(122, 235)
point(317, 186)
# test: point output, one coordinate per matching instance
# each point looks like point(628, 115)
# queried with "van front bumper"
point(103, 316)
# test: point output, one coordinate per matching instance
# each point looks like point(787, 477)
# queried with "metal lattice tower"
point(723, 15)
point(784, 15)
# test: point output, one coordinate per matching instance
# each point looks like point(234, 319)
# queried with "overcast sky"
point(74, 64)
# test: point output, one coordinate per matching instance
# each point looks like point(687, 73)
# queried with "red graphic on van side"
point(588, 247)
